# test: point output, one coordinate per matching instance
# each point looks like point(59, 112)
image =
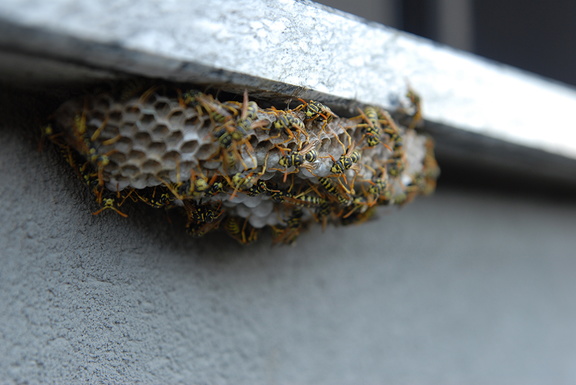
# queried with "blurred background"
point(534, 36)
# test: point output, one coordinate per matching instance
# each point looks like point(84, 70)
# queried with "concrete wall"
point(468, 286)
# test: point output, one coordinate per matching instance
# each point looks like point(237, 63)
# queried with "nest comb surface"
point(278, 168)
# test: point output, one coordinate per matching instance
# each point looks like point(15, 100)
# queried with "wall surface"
point(468, 286)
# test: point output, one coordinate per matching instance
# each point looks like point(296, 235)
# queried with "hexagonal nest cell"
point(237, 166)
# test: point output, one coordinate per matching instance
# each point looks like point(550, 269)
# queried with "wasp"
point(107, 199)
point(189, 97)
point(113, 201)
point(346, 161)
point(370, 115)
point(392, 130)
point(79, 131)
point(430, 169)
point(231, 139)
point(287, 121)
point(260, 187)
point(289, 232)
point(240, 230)
point(199, 229)
point(241, 181)
point(361, 210)
point(378, 186)
point(218, 112)
point(47, 133)
point(90, 178)
point(416, 104)
point(198, 186)
point(244, 181)
point(203, 213)
point(83, 142)
point(322, 214)
point(377, 120)
point(202, 218)
point(225, 138)
point(273, 191)
point(398, 146)
point(101, 161)
point(295, 220)
point(314, 110)
point(86, 146)
point(396, 165)
point(417, 184)
point(215, 187)
point(70, 156)
point(249, 109)
point(297, 159)
point(358, 216)
point(342, 198)
point(233, 133)
point(156, 196)
point(378, 190)
point(304, 200)
point(372, 127)
point(248, 114)
point(279, 195)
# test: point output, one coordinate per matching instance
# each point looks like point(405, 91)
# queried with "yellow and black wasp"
point(316, 110)
point(240, 229)
point(109, 200)
point(289, 232)
point(372, 127)
point(157, 196)
point(343, 198)
point(298, 158)
point(286, 121)
point(202, 218)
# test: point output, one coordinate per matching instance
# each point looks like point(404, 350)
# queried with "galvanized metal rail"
point(479, 111)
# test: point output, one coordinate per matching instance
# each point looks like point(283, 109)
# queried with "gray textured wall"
point(466, 286)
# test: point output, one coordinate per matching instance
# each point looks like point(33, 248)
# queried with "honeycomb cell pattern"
point(238, 166)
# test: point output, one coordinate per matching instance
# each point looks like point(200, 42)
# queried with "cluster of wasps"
point(306, 162)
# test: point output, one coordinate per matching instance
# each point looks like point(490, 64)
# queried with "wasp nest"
point(237, 166)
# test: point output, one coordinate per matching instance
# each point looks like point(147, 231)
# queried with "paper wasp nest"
point(240, 167)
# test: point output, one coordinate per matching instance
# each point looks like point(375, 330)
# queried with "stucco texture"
point(468, 286)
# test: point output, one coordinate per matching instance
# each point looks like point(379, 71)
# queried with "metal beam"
point(299, 49)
